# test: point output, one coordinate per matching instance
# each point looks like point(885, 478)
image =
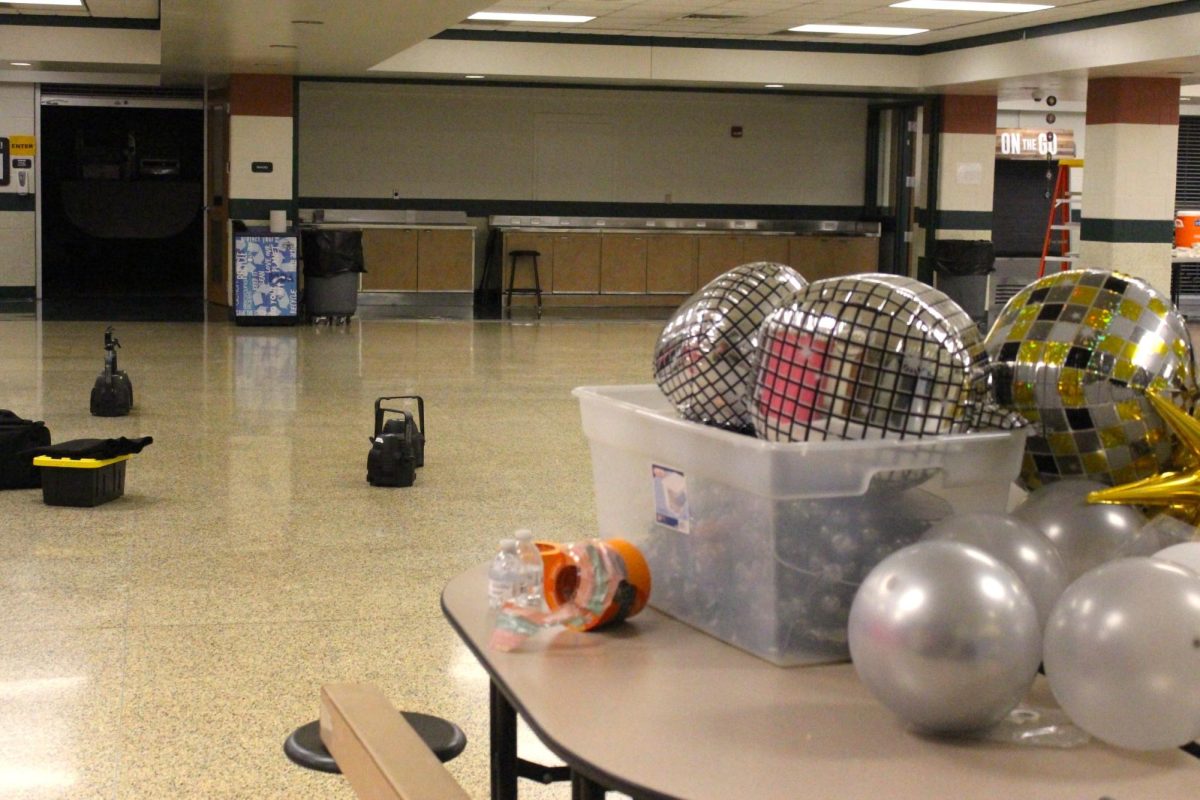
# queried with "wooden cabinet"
point(543, 243)
point(765, 247)
point(445, 260)
point(717, 253)
point(390, 258)
point(671, 263)
point(817, 257)
point(577, 263)
point(623, 263)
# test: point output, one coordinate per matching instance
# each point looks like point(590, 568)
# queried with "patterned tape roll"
point(588, 585)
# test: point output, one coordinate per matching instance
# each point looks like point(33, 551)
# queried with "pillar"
point(260, 146)
point(966, 167)
point(1128, 203)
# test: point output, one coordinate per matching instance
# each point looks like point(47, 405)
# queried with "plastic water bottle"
point(531, 563)
point(506, 576)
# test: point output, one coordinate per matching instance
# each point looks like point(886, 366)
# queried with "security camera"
point(1037, 96)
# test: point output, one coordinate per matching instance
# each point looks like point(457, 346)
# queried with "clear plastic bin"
point(761, 544)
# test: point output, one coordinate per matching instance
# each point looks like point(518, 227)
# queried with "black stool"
point(442, 736)
point(536, 289)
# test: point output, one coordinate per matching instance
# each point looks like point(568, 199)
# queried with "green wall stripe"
point(16, 202)
point(18, 292)
point(1146, 231)
point(560, 208)
point(260, 209)
point(949, 220)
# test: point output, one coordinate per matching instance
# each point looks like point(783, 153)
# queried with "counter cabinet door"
point(445, 260)
point(390, 260)
point(818, 257)
point(671, 263)
point(765, 247)
point(543, 244)
point(718, 253)
point(577, 263)
point(623, 263)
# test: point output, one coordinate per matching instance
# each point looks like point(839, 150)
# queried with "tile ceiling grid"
point(769, 19)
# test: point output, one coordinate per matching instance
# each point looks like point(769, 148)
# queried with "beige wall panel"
point(445, 260)
point(371, 140)
point(717, 253)
point(543, 243)
point(17, 252)
point(577, 262)
point(671, 263)
point(765, 248)
point(260, 139)
point(1131, 172)
point(968, 171)
point(390, 257)
point(623, 263)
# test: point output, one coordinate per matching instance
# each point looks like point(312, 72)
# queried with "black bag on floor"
point(17, 436)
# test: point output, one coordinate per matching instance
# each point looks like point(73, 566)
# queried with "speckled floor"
point(163, 645)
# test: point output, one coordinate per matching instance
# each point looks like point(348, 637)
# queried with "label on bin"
point(670, 498)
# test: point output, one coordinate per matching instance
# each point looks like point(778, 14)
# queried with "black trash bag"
point(331, 252)
point(961, 257)
point(99, 449)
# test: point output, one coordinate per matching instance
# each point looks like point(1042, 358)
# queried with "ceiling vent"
point(712, 17)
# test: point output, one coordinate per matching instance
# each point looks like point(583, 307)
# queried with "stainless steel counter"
point(803, 226)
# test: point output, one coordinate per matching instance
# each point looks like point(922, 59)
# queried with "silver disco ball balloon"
point(704, 358)
point(868, 356)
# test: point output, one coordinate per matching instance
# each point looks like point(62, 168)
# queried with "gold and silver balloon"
point(1075, 354)
point(704, 359)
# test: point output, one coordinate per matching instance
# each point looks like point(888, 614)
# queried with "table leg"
point(584, 788)
point(503, 745)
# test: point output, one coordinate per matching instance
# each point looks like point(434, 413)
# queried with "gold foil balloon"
point(1075, 354)
point(868, 356)
point(704, 360)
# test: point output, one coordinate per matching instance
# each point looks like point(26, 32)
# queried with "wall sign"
point(262, 166)
point(22, 163)
point(1032, 143)
point(4, 148)
point(22, 146)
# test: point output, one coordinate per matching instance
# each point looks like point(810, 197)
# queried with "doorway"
point(891, 162)
point(122, 222)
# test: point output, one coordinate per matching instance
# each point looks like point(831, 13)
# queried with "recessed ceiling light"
point(972, 5)
point(474, 77)
point(505, 16)
point(20, 63)
point(772, 85)
point(43, 2)
point(858, 30)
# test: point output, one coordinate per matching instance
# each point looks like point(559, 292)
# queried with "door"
point(891, 180)
point(217, 281)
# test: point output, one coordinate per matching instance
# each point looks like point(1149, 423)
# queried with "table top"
point(656, 708)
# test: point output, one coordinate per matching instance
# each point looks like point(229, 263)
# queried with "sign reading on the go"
point(22, 146)
point(1034, 143)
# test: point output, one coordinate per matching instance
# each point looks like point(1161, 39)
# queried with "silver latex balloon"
point(1085, 534)
point(1123, 653)
point(704, 359)
point(1185, 554)
point(869, 356)
point(945, 636)
point(1022, 547)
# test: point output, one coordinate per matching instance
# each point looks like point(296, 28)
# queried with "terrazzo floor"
point(163, 645)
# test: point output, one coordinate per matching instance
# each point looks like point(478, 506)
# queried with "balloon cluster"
point(948, 633)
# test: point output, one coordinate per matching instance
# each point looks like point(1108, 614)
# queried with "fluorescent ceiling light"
point(971, 5)
point(772, 85)
point(21, 64)
point(42, 2)
point(474, 77)
point(506, 16)
point(858, 30)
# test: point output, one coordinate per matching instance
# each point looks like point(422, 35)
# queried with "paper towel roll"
point(279, 221)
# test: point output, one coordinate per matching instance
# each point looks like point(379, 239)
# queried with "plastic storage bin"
point(81, 481)
point(761, 544)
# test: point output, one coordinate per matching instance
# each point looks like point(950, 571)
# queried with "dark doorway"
point(122, 212)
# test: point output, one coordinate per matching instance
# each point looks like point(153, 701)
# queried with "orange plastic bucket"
point(563, 577)
point(1187, 229)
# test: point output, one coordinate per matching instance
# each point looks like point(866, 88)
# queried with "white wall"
point(18, 253)
point(465, 142)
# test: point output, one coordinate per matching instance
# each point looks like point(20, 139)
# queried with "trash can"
point(332, 261)
point(962, 269)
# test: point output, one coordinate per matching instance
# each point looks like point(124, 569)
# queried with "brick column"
point(1128, 206)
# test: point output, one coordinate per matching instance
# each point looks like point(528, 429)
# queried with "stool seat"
point(514, 256)
point(443, 737)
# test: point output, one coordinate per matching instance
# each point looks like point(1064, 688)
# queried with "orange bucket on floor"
point(562, 579)
point(1187, 229)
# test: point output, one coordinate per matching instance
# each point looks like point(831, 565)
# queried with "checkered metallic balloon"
point(868, 356)
point(704, 358)
point(1075, 353)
